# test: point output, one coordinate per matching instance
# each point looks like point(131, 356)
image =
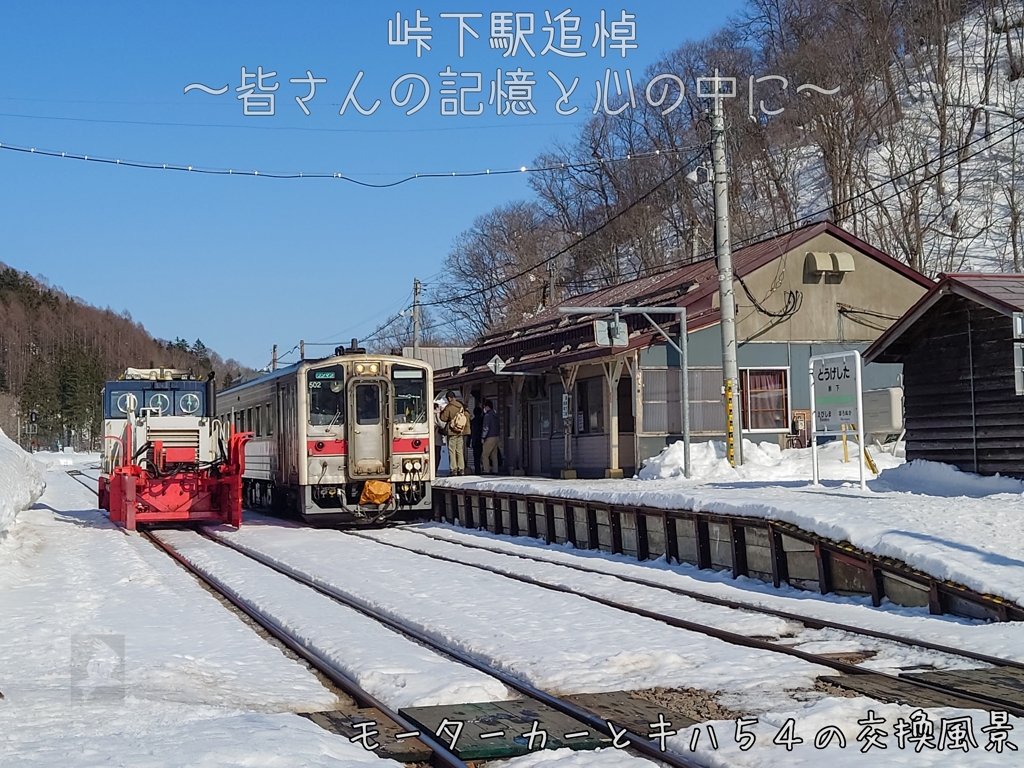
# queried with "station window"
point(269, 420)
point(589, 406)
point(765, 399)
point(248, 419)
point(258, 428)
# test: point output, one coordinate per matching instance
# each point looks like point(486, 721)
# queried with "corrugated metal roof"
point(549, 336)
point(438, 358)
point(1007, 290)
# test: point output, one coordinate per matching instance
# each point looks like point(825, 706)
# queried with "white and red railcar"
point(341, 440)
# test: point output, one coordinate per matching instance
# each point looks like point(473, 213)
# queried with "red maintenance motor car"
point(166, 458)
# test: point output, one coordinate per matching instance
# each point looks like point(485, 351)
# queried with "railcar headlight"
point(374, 367)
point(360, 367)
point(407, 465)
point(417, 465)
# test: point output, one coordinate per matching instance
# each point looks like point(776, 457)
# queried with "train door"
point(369, 432)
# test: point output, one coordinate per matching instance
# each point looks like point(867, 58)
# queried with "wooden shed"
point(961, 356)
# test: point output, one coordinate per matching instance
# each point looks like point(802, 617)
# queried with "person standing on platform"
point(456, 420)
point(490, 433)
point(476, 440)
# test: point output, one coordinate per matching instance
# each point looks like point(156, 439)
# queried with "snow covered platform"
point(922, 535)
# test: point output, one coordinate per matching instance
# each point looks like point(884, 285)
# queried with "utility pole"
point(726, 294)
point(416, 287)
point(273, 360)
point(551, 283)
point(302, 350)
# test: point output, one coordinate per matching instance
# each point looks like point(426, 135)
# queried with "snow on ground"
point(21, 482)
point(400, 672)
point(561, 643)
point(1000, 639)
point(113, 654)
point(565, 644)
point(890, 657)
point(950, 524)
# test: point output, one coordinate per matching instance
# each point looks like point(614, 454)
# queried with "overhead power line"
point(506, 280)
point(589, 164)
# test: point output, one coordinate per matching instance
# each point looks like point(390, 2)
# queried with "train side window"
point(270, 420)
point(248, 419)
point(259, 422)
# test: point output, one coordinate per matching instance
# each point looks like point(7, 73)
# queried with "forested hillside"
point(56, 352)
point(918, 153)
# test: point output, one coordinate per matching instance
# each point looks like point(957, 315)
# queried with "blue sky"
point(243, 262)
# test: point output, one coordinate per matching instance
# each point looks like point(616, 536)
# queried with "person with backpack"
point(456, 421)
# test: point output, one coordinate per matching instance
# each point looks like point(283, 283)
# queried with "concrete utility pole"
point(726, 294)
point(416, 287)
point(273, 360)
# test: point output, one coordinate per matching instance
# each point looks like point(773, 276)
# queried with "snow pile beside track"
point(934, 479)
point(21, 482)
point(761, 461)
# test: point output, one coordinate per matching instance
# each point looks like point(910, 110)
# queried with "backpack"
point(459, 423)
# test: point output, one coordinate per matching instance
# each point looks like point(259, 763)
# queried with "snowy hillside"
point(941, 185)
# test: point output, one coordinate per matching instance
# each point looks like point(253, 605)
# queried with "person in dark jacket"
point(476, 440)
point(490, 433)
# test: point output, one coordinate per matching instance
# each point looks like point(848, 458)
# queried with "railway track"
point(928, 687)
point(440, 755)
point(637, 742)
point(912, 689)
point(808, 621)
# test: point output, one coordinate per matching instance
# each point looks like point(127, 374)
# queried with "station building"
point(815, 290)
point(962, 351)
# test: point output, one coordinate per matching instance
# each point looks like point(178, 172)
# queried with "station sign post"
point(837, 405)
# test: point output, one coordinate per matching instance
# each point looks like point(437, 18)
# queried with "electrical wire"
point(590, 164)
point(505, 281)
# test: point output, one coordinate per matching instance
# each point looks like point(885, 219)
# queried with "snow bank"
point(21, 482)
point(935, 479)
point(761, 462)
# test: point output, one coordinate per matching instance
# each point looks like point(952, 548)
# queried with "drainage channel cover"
point(499, 729)
point(360, 727)
point(895, 692)
point(1002, 683)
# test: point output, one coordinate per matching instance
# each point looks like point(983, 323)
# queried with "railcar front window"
point(368, 404)
point(410, 395)
point(326, 396)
